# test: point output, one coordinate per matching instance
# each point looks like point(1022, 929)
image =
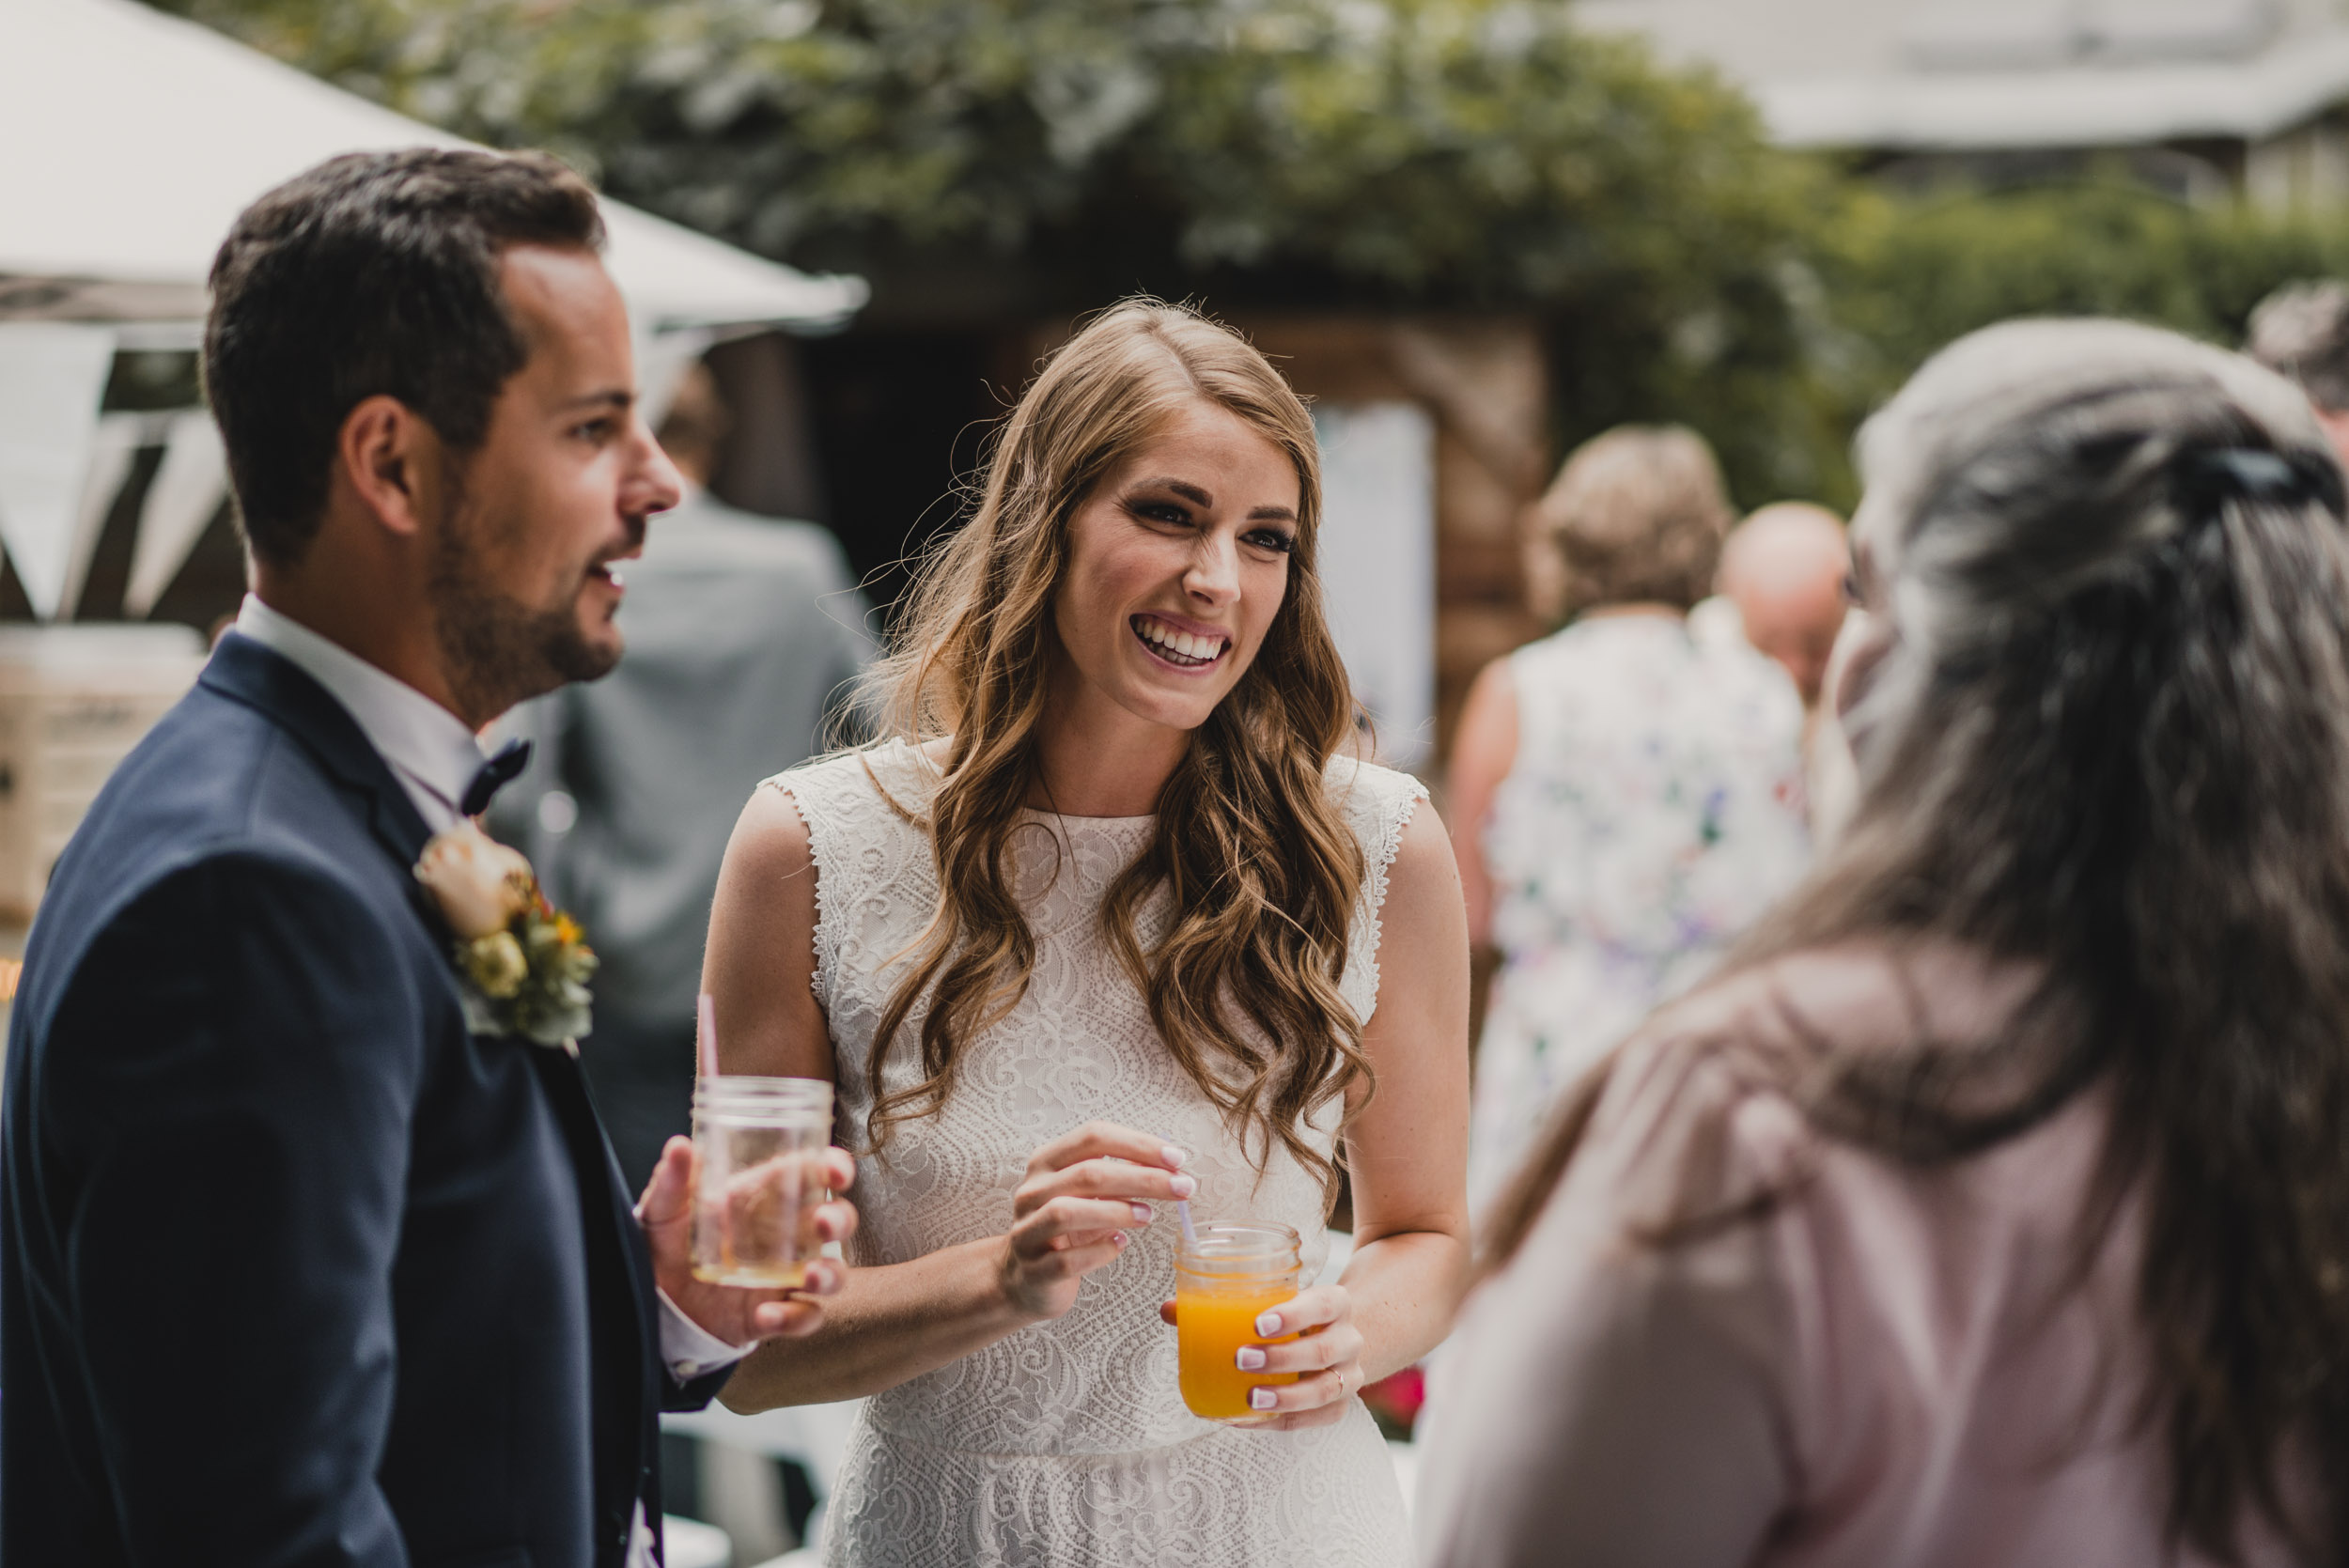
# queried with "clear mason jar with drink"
point(760, 1143)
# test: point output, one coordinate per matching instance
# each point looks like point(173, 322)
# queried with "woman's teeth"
point(1179, 647)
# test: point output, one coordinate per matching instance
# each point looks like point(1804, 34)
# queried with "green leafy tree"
point(1040, 156)
point(1914, 276)
point(1477, 154)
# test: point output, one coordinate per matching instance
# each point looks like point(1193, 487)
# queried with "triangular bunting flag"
point(662, 358)
point(186, 492)
point(53, 377)
point(113, 448)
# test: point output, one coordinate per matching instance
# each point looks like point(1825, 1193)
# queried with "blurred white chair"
point(739, 1489)
point(690, 1543)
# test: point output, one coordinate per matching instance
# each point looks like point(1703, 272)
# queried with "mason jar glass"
point(1226, 1274)
point(761, 1143)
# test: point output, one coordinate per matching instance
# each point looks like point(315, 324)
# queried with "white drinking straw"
point(1182, 1212)
point(709, 1019)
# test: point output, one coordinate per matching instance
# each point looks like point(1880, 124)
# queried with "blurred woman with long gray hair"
point(1992, 1208)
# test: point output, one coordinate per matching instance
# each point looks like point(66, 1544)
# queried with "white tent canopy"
point(134, 140)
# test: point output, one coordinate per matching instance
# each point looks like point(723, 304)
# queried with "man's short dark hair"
point(2301, 330)
point(373, 273)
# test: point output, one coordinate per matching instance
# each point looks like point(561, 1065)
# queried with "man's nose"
point(654, 485)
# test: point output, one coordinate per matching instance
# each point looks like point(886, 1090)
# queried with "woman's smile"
point(1178, 645)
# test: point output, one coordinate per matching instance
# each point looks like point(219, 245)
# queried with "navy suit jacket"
point(293, 1269)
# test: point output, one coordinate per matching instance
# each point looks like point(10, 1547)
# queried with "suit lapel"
point(244, 671)
point(626, 1393)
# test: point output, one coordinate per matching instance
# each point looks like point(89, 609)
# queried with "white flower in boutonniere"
point(522, 964)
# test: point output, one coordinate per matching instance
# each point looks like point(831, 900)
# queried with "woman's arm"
point(892, 1322)
point(1483, 751)
point(1406, 1151)
point(759, 967)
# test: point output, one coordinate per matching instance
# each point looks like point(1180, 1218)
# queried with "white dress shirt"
point(434, 758)
point(430, 750)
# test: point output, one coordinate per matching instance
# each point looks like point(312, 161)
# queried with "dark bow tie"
point(495, 774)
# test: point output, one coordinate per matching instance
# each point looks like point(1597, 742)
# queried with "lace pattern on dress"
point(1378, 816)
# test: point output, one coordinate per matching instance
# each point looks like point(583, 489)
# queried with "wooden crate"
point(74, 701)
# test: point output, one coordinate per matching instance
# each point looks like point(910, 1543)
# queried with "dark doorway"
point(899, 420)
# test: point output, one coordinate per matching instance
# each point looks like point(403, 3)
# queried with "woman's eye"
point(1162, 511)
point(1851, 587)
point(1273, 539)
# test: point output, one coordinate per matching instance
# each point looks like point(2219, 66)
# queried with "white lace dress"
point(1068, 1442)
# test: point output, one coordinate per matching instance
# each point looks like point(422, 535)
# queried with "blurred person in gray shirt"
point(745, 638)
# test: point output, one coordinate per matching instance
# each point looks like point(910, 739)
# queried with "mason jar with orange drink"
point(1226, 1274)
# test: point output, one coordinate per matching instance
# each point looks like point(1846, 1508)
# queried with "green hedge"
point(1905, 277)
point(1473, 154)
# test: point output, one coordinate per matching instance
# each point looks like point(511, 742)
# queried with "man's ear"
point(392, 460)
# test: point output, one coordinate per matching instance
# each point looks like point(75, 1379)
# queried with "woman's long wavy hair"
point(2109, 737)
point(1260, 873)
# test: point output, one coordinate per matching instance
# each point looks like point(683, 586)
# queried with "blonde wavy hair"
point(1636, 514)
point(1261, 873)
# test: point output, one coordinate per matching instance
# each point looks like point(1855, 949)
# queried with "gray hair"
point(1636, 513)
point(2301, 332)
point(2030, 461)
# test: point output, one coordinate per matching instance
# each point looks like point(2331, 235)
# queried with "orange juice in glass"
point(1226, 1274)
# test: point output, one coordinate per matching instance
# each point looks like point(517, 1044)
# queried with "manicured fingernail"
point(1174, 1156)
point(1120, 1238)
point(1261, 1399)
point(1183, 1186)
point(1141, 1213)
point(1249, 1358)
point(1268, 1324)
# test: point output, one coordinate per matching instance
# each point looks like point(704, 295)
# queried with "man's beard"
point(496, 651)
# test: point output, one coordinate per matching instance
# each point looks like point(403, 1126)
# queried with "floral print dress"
point(1654, 809)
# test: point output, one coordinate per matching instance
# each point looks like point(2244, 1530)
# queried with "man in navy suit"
point(294, 1269)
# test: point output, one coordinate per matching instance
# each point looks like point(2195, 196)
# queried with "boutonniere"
point(522, 964)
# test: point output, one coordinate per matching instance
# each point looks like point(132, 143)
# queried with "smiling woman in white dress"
point(1111, 920)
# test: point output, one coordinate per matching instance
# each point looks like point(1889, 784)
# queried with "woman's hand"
point(1327, 1356)
point(1086, 1194)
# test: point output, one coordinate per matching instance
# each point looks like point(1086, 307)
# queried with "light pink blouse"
point(1893, 1369)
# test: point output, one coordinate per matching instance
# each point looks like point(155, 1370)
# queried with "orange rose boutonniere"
point(522, 964)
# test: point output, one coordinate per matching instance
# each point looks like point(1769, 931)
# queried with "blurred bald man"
point(2301, 332)
point(1781, 587)
point(1784, 568)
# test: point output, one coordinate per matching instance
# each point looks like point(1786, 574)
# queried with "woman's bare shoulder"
point(772, 833)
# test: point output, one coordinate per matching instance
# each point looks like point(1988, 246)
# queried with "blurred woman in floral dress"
point(1625, 797)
